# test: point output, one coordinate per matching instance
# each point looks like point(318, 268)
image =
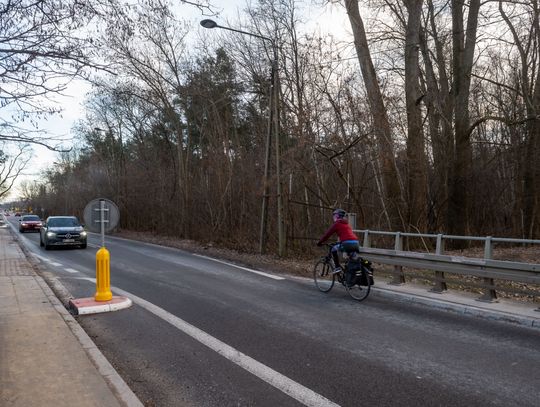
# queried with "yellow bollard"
point(103, 275)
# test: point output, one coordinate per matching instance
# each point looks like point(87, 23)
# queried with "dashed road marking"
point(70, 270)
point(41, 257)
point(240, 267)
point(52, 263)
point(281, 382)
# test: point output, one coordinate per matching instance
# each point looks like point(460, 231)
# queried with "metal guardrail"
point(486, 267)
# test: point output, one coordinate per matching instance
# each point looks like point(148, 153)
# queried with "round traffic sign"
point(93, 215)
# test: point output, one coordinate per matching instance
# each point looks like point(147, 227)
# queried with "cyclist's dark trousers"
point(335, 255)
point(348, 246)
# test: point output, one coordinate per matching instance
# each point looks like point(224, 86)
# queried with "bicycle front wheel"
point(360, 292)
point(323, 274)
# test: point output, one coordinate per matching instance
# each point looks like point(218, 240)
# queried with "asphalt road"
point(204, 333)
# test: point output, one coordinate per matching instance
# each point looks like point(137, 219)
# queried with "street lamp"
point(273, 127)
point(208, 23)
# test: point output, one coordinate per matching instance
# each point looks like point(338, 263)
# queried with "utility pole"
point(273, 128)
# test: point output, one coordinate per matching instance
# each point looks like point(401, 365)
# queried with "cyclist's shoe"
point(337, 270)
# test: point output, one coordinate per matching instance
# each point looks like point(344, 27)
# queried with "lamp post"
point(273, 127)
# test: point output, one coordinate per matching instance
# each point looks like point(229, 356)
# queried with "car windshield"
point(62, 222)
point(30, 217)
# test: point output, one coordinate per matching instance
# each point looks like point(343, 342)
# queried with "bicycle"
point(357, 281)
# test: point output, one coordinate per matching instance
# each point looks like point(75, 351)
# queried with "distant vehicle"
point(17, 214)
point(29, 223)
point(62, 231)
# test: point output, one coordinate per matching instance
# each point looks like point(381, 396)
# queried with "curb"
point(448, 305)
point(85, 306)
point(459, 308)
point(58, 295)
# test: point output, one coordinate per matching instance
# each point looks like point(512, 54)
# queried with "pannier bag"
point(365, 273)
point(358, 271)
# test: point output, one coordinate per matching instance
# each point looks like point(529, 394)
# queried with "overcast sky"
point(331, 18)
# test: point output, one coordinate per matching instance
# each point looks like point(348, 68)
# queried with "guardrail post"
point(367, 243)
point(490, 294)
point(440, 283)
point(399, 277)
point(352, 220)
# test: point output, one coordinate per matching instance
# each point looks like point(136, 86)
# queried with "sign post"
point(102, 220)
point(103, 215)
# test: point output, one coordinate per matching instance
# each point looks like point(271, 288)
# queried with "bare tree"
point(12, 165)
point(527, 39)
point(393, 196)
point(416, 156)
point(42, 49)
point(147, 45)
point(436, 83)
point(463, 46)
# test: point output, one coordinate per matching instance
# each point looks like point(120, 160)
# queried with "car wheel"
point(21, 230)
point(83, 246)
point(47, 246)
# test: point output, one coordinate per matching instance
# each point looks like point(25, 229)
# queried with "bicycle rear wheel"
point(360, 292)
point(323, 275)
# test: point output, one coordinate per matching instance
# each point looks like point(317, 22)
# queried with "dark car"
point(62, 231)
point(29, 223)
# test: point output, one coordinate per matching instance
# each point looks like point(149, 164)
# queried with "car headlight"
point(51, 234)
point(83, 234)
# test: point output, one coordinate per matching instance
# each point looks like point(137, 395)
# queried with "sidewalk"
point(46, 358)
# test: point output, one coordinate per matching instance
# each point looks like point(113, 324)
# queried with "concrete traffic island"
point(84, 306)
point(103, 300)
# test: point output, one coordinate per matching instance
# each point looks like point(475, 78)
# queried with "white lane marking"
point(96, 246)
point(41, 257)
point(240, 267)
point(70, 270)
point(281, 382)
point(52, 263)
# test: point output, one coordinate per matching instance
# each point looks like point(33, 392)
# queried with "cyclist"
point(348, 241)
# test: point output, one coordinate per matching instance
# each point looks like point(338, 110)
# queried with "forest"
point(424, 118)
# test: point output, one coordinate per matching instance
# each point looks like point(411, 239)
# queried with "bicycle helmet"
point(339, 213)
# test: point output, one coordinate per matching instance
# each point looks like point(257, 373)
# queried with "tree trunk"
point(439, 104)
point(462, 61)
point(416, 157)
point(393, 197)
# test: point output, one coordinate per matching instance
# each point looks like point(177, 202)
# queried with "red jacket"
point(342, 229)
